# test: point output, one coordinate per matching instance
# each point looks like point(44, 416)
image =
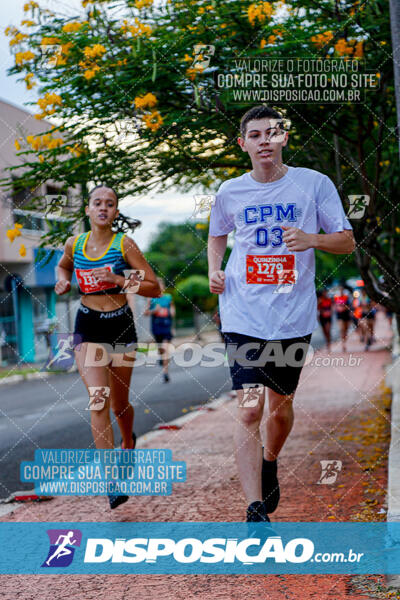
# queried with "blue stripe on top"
point(114, 255)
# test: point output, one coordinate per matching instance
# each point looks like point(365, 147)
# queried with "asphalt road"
point(52, 413)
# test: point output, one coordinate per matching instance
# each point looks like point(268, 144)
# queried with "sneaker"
point(116, 500)
point(134, 441)
point(256, 513)
point(270, 485)
point(166, 378)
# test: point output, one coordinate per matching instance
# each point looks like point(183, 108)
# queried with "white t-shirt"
point(269, 291)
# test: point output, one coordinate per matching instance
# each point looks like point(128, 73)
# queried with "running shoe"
point(134, 441)
point(166, 378)
point(256, 513)
point(116, 500)
point(270, 485)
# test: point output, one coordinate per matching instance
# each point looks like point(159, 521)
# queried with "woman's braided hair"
point(122, 223)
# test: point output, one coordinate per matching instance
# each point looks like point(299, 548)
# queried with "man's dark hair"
point(258, 112)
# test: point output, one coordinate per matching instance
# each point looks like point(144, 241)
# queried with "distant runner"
point(162, 311)
point(342, 306)
point(324, 307)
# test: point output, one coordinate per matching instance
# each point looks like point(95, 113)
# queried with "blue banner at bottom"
point(200, 548)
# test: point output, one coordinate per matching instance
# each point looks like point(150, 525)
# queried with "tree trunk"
point(395, 27)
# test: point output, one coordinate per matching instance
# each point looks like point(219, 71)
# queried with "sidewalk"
point(342, 413)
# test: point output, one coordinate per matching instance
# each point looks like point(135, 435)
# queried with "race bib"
point(162, 312)
point(273, 269)
point(88, 283)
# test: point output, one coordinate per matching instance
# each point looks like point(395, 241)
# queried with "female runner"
point(342, 305)
point(99, 259)
point(325, 315)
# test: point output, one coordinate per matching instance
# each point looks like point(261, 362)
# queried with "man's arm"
point(340, 242)
point(215, 252)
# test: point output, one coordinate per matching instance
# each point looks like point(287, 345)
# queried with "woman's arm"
point(65, 268)
point(149, 286)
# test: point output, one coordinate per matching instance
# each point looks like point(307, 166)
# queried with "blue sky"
point(151, 210)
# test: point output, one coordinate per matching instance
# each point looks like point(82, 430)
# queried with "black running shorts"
point(115, 327)
point(275, 364)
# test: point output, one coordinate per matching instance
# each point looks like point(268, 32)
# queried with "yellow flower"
point(22, 250)
point(11, 31)
point(342, 47)
point(136, 30)
point(49, 41)
point(359, 50)
point(76, 149)
point(15, 232)
point(154, 120)
point(278, 31)
point(259, 11)
point(85, 3)
point(147, 101)
point(20, 37)
point(188, 58)
point(41, 158)
point(49, 99)
point(31, 5)
point(263, 43)
point(29, 82)
point(397, 229)
point(191, 73)
point(321, 39)
point(143, 3)
point(11, 235)
point(22, 57)
point(91, 72)
point(55, 143)
point(17, 145)
point(271, 39)
point(94, 51)
point(28, 23)
point(72, 27)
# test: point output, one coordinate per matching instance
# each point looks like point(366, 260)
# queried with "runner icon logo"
point(203, 202)
point(50, 55)
point(55, 204)
point(97, 397)
point(63, 358)
point(202, 56)
point(252, 394)
point(133, 277)
point(357, 207)
point(62, 547)
point(329, 471)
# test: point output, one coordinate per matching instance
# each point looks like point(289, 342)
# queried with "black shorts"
point(344, 316)
point(162, 337)
point(280, 370)
point(115, 327)
point(324, 320)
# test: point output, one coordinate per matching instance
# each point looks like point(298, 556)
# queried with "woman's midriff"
point(104, 303)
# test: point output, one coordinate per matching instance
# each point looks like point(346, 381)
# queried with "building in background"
point(27, 298)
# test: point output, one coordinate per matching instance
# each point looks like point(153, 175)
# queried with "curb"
point(9, 504)
point(393, 492)
point(34, 375)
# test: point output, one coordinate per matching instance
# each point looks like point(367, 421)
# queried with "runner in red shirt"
point(325, 315)
point(342, 306)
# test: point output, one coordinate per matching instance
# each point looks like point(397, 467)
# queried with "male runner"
point(267, 291)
